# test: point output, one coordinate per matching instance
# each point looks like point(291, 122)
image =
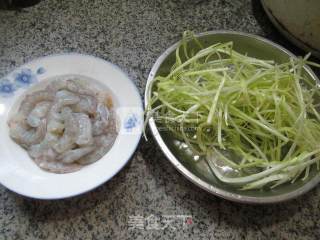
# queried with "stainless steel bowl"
point(198, 173)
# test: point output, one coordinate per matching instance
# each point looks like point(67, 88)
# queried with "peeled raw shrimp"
point(55, 118)
point(87, 104)
point(70, 134)
point(40, 111)
point(65, 126)
point(72, 85)
point(56, 85)
point(77, 87)
point(103, 144)
point(57, 167)
point(66, 97)
point(85, 129)
point(42, 151)
point(32, 99)
point(73, 155)
point(51, 138)
point(55, 126)
point(63, 98)
point(36, 150)
point(101, 120)
point(54, 113)
point(25, 136)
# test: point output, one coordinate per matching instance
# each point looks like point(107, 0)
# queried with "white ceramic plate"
point(20, 174)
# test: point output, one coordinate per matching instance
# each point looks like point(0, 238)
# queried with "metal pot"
point(298, 20)
point(14, 4)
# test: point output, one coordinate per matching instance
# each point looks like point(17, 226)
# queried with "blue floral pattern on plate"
point(24, 78)
point(41, 70)
point(131, 122)
point(7, 88)
point(20, 79)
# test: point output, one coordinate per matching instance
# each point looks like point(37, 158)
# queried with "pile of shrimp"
point(65, 126)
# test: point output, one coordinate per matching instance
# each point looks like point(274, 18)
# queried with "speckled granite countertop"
point(132, 34)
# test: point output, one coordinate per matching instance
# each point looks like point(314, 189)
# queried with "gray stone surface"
point(132, 34)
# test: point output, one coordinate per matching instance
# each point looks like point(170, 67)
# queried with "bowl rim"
point(188, 174)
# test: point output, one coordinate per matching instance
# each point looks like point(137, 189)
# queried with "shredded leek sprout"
point(217, 100)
